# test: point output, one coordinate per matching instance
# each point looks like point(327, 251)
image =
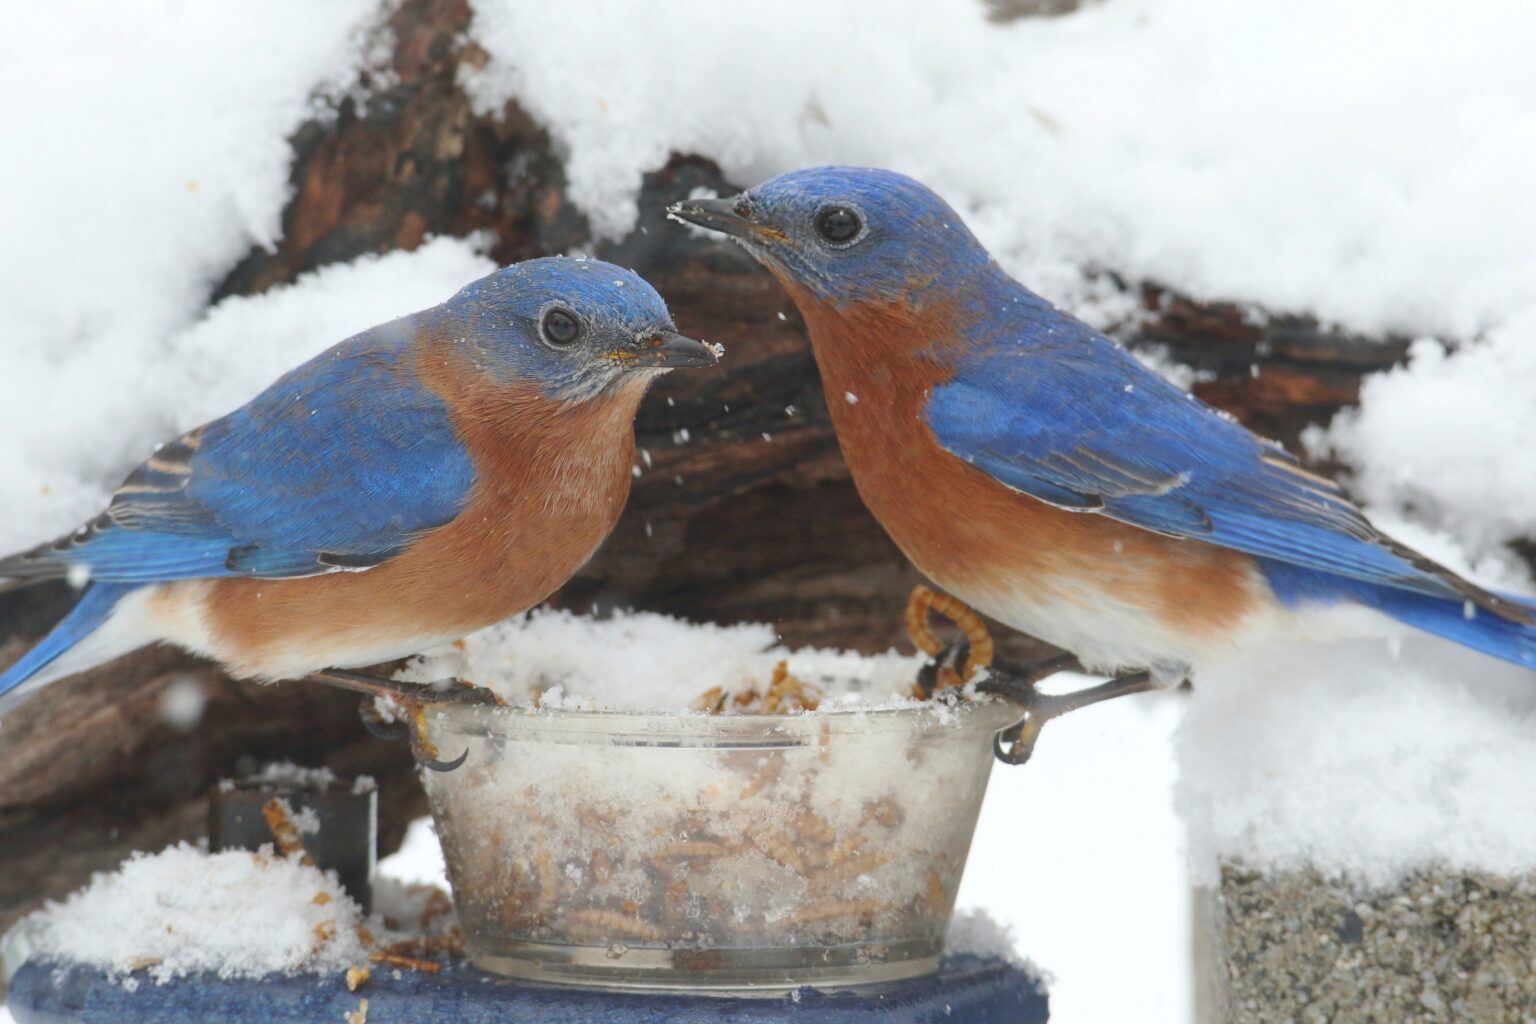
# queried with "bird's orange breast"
point(551, 479)
point(966, 531)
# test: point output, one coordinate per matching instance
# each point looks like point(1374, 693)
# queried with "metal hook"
point(1016, 744)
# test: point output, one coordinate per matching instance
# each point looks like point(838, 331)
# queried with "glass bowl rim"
point(988, 714)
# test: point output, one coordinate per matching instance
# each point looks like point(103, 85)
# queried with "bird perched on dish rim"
point(1036, 470)
point(414, 483)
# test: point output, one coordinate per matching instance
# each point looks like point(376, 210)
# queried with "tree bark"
point(752, 518)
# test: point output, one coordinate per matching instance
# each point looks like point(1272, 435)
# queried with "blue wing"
point(1073, 420)
point(338, 465)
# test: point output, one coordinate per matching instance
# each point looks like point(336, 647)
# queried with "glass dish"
point(692, 852)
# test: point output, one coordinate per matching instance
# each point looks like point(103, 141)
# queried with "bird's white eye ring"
point(560, 327)
point(839, 226)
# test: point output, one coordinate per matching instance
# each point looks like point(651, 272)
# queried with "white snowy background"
point(1367, 161)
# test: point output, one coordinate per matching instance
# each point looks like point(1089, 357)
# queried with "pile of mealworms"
point(747, 859)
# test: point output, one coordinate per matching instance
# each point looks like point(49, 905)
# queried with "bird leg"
point(954, 664)
point(415, 697)
point(1015, 744)
point(1013, 679)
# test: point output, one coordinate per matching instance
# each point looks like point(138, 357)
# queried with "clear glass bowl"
point(687, 852)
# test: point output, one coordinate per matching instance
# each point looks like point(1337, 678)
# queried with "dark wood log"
point(753, 517)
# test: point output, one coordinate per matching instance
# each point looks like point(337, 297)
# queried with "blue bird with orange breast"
point(1036, 470)
point(412, 484)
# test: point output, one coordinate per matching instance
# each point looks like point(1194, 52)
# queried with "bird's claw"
point(416, 697)
point(452, 691)
point(435, 764)
point(422, 747)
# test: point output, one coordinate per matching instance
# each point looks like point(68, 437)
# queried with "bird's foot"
point(955, 663)
point(1014, 745)
point(414, 698)
point(945, 669)
point(1016, 680)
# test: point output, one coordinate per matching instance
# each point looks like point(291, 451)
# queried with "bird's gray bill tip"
point(720, 215)
point(676, 351)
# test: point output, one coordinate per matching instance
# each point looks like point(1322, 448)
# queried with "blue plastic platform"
point(968, 989)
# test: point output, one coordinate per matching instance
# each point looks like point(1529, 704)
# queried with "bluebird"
point(1036, 470)
point(414, 483)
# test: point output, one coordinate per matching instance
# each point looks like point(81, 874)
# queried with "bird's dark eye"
point(838, 224)
point(560, 327)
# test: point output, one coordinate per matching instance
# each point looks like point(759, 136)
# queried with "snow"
point(182, 704)
point(157, 155)
point(1449, 437)
point(1081, 854)
point(1364, 161)
point(1367, 161)
point(1351, 761)
point(184, 910)
point(419, 860)
point(58, 479)
point(289, 775)
point(642, 661)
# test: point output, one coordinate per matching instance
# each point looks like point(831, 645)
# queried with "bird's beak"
point(669, 350)
point(728, 216)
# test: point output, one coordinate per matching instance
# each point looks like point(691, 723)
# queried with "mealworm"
point(410, 963)
point(711, 700)
point(285, 832)
point(852, 867)
point(785, 692)
point(936, 895)
point(832, 909)
point(602, 867)
point(842, 851)
point(772, 766)
point(812, 826)
point(694, 848)
point(883, 811)
point(965, 619)
point(780, 848)
point(594, 819)
point(449, 942)
point(607, 924)
point(438, 904)
point(549, 883)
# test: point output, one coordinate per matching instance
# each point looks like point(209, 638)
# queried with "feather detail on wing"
point(1083, 426)
point(336, 467)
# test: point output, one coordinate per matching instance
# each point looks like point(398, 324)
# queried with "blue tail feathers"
point(1465, 623)
point(88, 613)
point(1459, 621)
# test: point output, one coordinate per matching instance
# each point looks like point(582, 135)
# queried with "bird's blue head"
point(848, 234)
point(574, 327)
